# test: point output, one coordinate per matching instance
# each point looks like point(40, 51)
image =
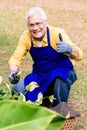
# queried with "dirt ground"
point(71, 15)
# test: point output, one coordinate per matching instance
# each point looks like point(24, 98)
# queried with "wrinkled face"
point(37, 26)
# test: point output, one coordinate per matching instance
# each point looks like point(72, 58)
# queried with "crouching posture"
point(53, 56)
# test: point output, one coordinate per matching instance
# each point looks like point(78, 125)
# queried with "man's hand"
point(63, 47)
point(13, 77)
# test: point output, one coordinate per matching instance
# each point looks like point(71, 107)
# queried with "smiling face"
point(37, 26)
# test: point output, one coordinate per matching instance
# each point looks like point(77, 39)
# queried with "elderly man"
point(53, 55)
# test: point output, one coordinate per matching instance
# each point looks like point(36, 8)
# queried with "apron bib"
point(48, 64)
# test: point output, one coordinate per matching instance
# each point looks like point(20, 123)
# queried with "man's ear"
point(46, 23)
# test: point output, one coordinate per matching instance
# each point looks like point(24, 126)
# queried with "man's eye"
point(37, 24)
point(31, 25)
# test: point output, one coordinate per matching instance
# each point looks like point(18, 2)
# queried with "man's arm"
point(17, 58)
point(74, 53)
point(13, 67)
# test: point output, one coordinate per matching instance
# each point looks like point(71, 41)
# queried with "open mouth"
point(37, 33)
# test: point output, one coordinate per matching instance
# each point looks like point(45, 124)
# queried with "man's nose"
point(35, 26)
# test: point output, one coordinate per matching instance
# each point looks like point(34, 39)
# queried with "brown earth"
point(71, 15)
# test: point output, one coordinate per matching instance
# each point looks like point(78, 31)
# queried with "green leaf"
point(32, 86)
point(15, 115)
point(0, 79)
point(51, 98)
point(2, 92)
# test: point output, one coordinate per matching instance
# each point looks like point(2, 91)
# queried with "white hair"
point(35, 10)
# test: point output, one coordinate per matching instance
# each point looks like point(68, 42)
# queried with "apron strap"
point(48, 36)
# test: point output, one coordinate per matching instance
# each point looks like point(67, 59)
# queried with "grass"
point(70, 15)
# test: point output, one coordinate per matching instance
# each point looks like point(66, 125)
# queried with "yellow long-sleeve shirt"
point(26, 38)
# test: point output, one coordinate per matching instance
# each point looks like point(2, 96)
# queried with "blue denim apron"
point(48, 64)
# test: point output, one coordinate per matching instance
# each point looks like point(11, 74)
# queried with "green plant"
point(6, 93)
point(25, 115)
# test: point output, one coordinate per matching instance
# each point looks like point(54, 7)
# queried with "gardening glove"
point(63, 47)
point(13, 77)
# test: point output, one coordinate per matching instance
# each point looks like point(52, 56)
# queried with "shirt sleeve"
point(23, 46)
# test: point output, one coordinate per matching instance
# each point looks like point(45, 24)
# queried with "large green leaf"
point(15, 115)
